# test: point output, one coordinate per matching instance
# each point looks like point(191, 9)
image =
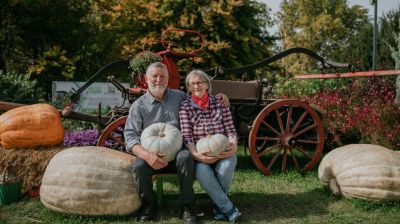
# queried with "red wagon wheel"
point(286, 130)
point(113, 135)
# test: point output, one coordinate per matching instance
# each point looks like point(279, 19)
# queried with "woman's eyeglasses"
point(197, 83)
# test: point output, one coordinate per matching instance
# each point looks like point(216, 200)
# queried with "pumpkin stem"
point(335, 188)
point(161, 134)
point(161, 154)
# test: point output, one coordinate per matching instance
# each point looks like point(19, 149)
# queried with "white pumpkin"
point(90, 181)
point(362, 171)
point(213, 144)
point(162, 139)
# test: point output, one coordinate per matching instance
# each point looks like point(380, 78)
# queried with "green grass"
point(284, 198)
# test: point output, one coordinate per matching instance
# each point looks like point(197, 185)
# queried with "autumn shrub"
point(358, 110)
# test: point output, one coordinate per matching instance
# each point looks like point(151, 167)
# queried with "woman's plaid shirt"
point(197, 123)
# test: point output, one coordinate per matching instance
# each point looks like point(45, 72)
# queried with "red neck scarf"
point(202, 102)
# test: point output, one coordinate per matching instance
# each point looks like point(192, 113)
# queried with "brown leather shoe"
point(188, 215)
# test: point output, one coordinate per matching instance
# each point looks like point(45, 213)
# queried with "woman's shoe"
point(218, 214)
point(233, 215)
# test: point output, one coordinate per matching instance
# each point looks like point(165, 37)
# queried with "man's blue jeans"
point(216, 179)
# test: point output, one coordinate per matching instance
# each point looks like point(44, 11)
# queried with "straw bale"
point(27, 164)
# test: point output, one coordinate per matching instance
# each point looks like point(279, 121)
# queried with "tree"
point(395, 54)
point(234, 29)
point(325, 26)
point(389, 26)
point(48, 39)
point(67, 39)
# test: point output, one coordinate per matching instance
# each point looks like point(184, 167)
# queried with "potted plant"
point(141, 61)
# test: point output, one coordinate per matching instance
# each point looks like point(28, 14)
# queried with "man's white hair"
point(156, 65)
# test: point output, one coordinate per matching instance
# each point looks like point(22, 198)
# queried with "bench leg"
point(159, 191)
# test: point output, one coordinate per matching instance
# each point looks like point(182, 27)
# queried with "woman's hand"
point(230, 152)
point(201, 157)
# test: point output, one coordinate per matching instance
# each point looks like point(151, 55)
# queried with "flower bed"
point(81, 138)
point(363, 111)
point(359, 110)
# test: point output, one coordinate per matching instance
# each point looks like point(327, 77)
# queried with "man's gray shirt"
point(146, 111)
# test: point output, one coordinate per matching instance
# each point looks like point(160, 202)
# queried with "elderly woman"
point(202, 114)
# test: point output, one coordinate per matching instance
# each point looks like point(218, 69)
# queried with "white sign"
point(98, 92)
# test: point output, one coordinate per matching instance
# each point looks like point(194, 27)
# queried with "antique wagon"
point(279, 132)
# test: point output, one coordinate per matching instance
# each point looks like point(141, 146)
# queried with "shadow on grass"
point(257, 207)
point(268, 207)
point(245, 163)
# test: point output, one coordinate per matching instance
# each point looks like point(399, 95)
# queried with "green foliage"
point(75, 125)
point(54, 61)
point(325, 26)
point(67, 39)
point(395, 53)
point(61, 100)
point(388, 40)
point(18, 88)
point(51, 40)
point(296, 88)
point(235, 30)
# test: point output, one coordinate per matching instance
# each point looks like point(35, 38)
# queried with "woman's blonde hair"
point(202, 75)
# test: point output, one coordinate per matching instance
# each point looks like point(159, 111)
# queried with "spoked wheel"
point(286, 133)
point(113, 135)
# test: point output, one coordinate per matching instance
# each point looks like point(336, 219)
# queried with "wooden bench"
point(159, 180)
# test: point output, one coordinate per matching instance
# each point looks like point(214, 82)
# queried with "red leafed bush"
point(362, 111)
point(359, 110)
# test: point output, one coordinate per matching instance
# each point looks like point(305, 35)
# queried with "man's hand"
point(224, 99)
point(155, 161)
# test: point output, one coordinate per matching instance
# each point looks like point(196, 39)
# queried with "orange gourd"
point(31, 126)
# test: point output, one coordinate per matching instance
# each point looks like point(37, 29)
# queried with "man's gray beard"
point(157, 89)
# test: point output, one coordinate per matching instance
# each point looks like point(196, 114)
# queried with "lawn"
point(284, 198)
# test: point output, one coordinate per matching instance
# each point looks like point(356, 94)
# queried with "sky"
point(383, 7)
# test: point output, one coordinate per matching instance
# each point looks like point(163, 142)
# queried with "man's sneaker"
point(233, 215)
point(218, 214)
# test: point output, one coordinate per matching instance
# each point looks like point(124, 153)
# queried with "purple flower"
point(81, 138)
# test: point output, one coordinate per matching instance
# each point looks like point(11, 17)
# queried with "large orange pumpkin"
point(31, 126)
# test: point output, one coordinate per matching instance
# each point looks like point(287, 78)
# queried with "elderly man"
point(159, 104)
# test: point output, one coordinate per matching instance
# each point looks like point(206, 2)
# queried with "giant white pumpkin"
point(162, 139)
point(362, 171)
point(90, 181)
point(213, 144)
